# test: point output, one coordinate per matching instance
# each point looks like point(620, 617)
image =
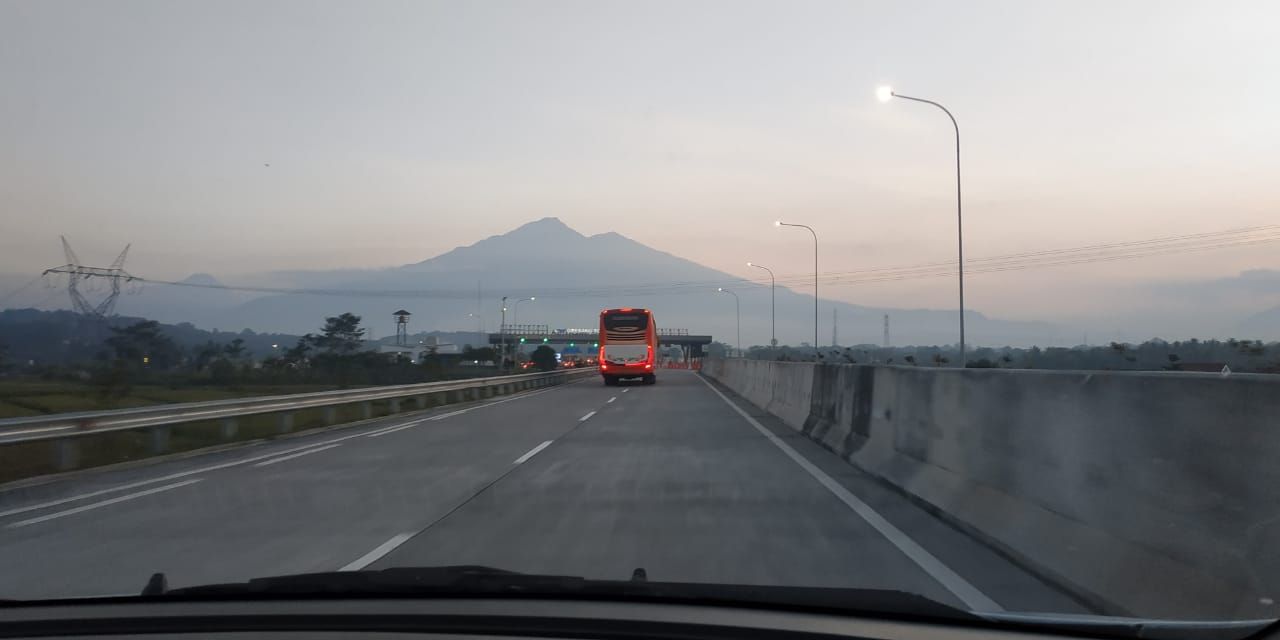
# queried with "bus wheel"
point(610, 381)
point(650, 379)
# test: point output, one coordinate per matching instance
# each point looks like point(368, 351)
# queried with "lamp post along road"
point(886, 94)
point(737, 311)
point(773, 304)
point(502, 338)
point(780, 223)
point(515, 319)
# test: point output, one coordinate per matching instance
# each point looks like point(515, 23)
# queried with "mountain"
point(201, 300)
point(573, 276)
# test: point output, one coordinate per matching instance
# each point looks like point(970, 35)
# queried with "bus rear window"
point(630, 320)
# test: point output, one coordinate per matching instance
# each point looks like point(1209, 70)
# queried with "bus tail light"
point(648, 366)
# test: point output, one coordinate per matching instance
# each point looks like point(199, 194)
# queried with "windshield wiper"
point(475, 580)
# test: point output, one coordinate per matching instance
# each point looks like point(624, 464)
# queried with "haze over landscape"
point(254, 257)
point(574, 276)
point(275, 140)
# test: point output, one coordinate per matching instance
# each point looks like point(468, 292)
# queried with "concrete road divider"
point(1144, 493)
point(111, 434)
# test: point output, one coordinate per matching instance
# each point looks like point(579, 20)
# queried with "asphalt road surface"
point(681, 478)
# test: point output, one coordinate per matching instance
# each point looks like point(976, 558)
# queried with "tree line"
point(144, 352)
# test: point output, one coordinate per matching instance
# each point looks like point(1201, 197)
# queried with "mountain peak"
point(201, 278)
point(548, 226)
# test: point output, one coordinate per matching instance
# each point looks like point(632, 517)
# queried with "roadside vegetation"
point(140, 364)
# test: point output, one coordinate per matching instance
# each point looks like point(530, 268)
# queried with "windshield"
point(975, 302)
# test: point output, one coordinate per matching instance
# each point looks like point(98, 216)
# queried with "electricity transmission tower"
point(78, 274)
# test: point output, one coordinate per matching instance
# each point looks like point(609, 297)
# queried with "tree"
point(544, 358)
point(143, 344)
point(234, 350)
point(206, 354)
point(297, 354)
point(133, 349)
point(910, 360)
point(341, 335)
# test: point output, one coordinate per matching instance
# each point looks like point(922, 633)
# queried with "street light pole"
point(515, 319)
point(780, 223)
point(737, 312)
point(885, 94)
point(515, 310)
point(502, 338)
point(773, 306)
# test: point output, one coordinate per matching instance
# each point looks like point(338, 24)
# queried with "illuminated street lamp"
point(515, 318)
point(773, 307)
point(885, 94)
point(502, 338)
point(515, 309)
point(780, 223)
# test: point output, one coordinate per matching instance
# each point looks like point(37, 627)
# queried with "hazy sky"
point(398, 130)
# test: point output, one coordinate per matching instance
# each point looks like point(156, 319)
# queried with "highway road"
point(681, 478)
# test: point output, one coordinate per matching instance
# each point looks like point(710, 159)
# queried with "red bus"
point(628, 345)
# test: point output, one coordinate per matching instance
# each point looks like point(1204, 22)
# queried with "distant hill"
point(204, 302)
point(574, 276)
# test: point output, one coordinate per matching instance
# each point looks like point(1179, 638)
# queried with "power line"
point(1107, 252)
point(15, 292)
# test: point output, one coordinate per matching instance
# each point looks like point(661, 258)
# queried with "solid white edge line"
point(586, 417)
point(308, 452)
point(944, 575)
point(377, 553)
point(532, 452)
point(87, 507)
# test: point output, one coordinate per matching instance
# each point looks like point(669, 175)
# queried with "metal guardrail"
point(65, 428)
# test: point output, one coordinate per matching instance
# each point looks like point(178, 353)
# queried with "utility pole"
point(835, 333)
point(502, 338)
point(886, 331)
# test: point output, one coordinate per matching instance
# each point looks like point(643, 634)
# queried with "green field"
point(23, 398)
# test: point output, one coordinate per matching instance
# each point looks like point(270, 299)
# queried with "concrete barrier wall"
point(1147, 494)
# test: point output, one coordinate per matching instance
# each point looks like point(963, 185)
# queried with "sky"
point(239, 137)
